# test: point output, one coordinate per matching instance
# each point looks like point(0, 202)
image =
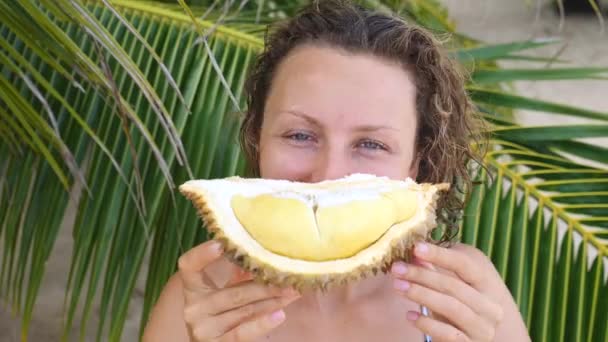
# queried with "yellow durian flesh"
point(282, 225)
point(315, 235)
point(353, 226)
point(302, 228)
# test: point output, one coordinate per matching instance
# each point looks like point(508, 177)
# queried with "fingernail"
point(422, 248)
point(412, 315)
point(277, 316)
point(399, 268)
point(401, 285)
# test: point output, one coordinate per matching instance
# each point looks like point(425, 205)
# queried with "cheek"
point(394, 168)
point(281, 162)
point(278, 161)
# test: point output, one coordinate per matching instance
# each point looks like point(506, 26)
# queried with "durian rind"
point(211, 198)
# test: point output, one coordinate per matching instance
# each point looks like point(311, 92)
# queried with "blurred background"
point(583, 42)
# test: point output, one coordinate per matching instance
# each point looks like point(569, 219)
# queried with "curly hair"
point(447, 124)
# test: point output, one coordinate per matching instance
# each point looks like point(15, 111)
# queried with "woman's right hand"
point(243, 310)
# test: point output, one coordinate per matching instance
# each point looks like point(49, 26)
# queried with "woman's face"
point(330, 114)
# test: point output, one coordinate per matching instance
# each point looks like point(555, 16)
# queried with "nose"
point(332, 163)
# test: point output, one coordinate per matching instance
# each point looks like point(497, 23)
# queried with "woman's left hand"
point(463, 299)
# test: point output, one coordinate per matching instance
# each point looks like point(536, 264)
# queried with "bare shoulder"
point(166, 321)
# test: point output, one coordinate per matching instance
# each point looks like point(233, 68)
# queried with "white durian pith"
point(314, 235)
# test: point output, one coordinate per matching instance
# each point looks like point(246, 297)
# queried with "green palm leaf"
point(499, 51)
point(554, 286)
point(482, 76)
point(124, 99)
point(512, 101)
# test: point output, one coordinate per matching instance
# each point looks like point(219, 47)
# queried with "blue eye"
point(299, 137)
point(372, 145)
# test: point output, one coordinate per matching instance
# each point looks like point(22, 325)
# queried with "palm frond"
point(499, 51)
point(543, 227)
point(517, 102)
point(482, 76)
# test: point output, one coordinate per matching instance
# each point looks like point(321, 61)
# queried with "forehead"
point(329, 82)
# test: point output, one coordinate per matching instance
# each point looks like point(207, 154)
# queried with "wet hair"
point(448, 129)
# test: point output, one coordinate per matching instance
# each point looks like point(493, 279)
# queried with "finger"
point(454, 287)
point(255, 328)
point(216, 326)
point(239, 275)
point(437, 330)
point(200, 256)
point(191, 263)
point(243, 294)
point(456, 261)
point(456, 312)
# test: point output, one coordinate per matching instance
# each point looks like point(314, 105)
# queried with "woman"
point(340, 90)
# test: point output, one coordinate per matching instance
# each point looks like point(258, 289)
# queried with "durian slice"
point(315, 235)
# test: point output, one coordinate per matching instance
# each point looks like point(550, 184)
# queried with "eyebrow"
point(304, 116)
point(362, 128)
point(373, 128)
